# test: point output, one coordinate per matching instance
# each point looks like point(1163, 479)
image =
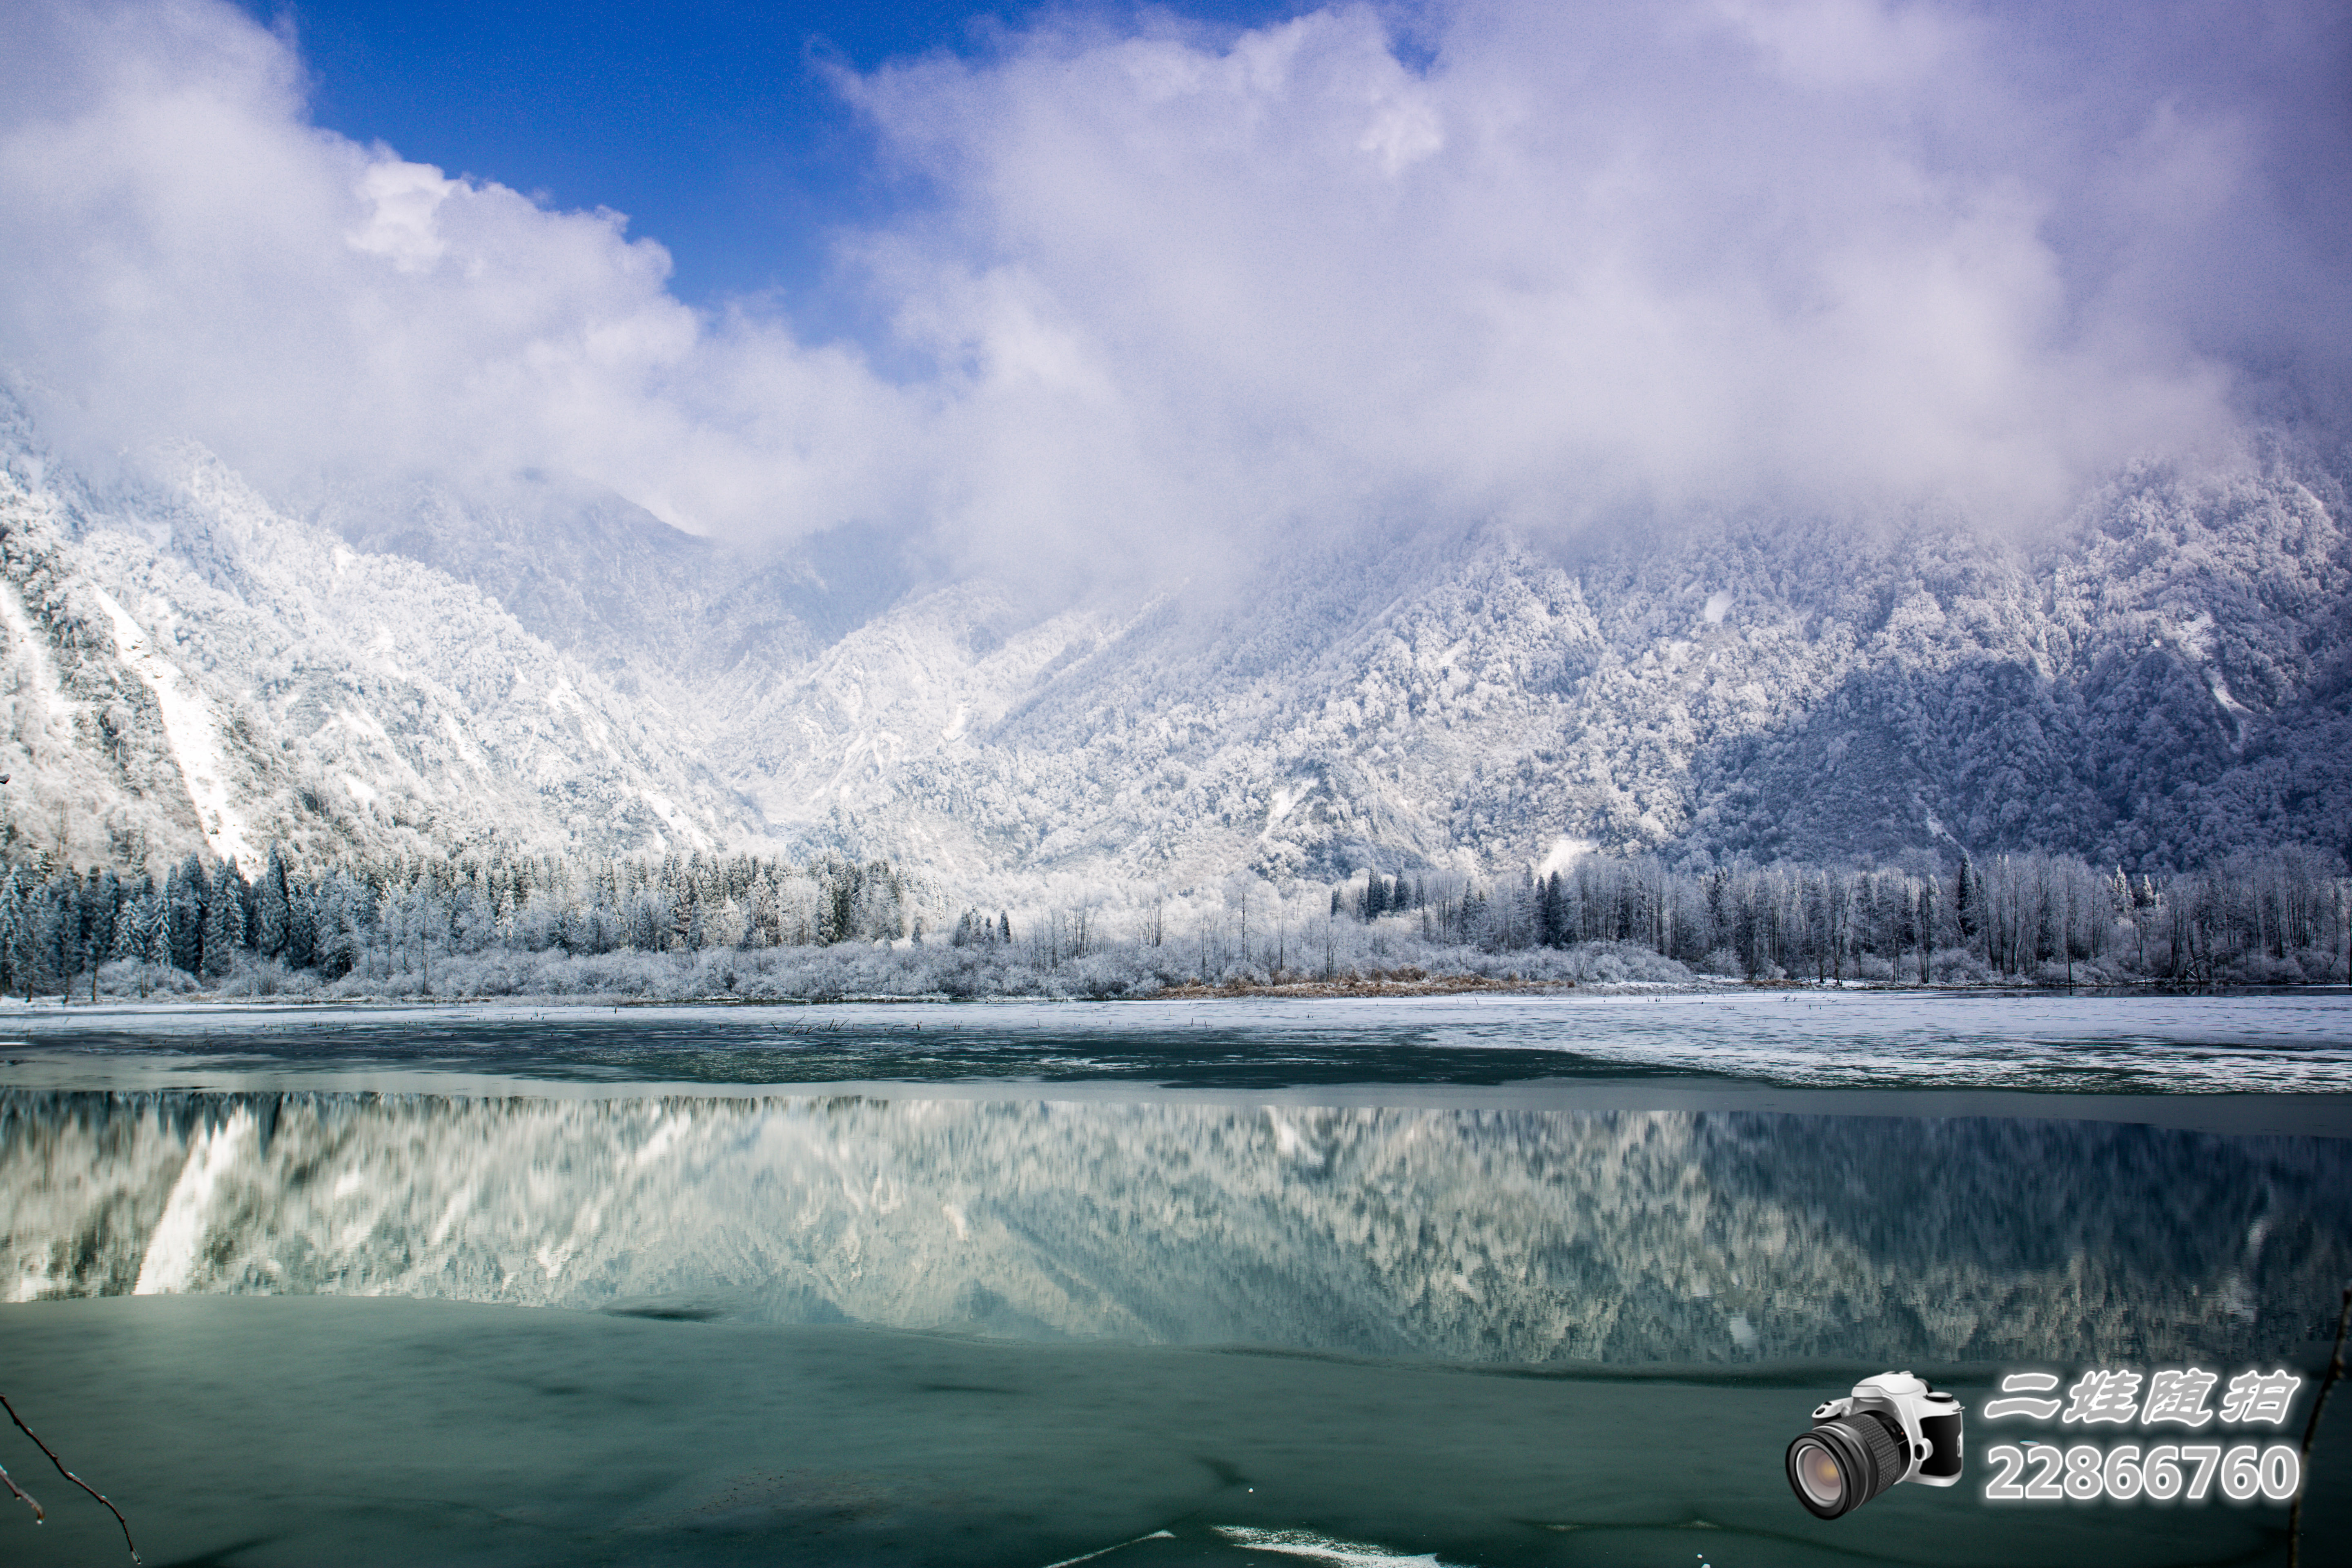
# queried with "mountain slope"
point(658, 612)
point(2162, 683)
point(194, 668)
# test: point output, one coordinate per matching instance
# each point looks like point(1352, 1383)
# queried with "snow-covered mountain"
point(189, 667)
point(2168, 678)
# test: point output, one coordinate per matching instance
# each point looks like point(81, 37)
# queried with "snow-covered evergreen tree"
point(16, 937)
point(269, 907)
point(224, 924)
point(184, 894)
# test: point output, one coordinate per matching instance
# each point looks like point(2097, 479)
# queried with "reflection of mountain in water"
point(1518, 1236)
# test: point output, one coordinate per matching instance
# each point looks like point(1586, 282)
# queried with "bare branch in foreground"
point(21, 1495)
point(69, 1475)
point(2311, 1430)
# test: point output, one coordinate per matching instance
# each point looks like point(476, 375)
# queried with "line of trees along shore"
point(208, 920)
point(2282, 917)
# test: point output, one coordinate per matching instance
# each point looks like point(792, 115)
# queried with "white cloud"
point(1180, 290)
point(185, 255)
point(403, 199)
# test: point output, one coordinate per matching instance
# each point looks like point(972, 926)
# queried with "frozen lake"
point(1469, 1280)
point(2295, 1045)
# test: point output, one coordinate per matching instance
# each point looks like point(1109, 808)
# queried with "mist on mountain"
point(1821, 431)
point(1168, 292)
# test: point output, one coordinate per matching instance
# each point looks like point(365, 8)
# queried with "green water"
point(1488, 1284)
point(322, 1430)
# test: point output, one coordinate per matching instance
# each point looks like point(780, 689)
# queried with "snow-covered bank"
point(903, 970)
point(785, 977)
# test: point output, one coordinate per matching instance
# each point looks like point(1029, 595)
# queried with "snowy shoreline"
point(1375, 988)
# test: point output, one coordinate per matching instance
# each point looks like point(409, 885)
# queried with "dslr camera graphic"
point(1891, 1428)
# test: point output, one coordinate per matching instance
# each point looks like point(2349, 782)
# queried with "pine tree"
point(880, 913)
point(223, 925)
point(1926, 931)
point(333, 949)
point(183, 913)
point(126, 920)
point(56, 929)
point(16, 946)
point(269, 908)
point(1967, 902)
point(154, 929)
point(102, 900)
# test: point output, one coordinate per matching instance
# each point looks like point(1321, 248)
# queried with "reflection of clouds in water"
point(1515, 1236)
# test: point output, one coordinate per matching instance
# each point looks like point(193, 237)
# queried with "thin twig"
point(22, 1495)
point(2311, 1430)
point(77, 1480)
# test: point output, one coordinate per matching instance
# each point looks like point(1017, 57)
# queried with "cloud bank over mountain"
point(1161, 294)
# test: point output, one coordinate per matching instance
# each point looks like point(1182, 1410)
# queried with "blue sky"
point(1109, 283)
point(711, 123)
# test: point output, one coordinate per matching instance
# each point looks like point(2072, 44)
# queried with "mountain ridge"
point(412, 670)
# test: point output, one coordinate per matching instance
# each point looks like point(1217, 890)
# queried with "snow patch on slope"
point(188, 727)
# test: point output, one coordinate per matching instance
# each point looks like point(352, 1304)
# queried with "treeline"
point(510, 925)
point(206, 920)
point(2280, 917)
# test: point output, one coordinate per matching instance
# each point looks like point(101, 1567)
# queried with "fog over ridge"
point(1159, 292)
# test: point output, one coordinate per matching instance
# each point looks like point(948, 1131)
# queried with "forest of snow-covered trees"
point(749, 926)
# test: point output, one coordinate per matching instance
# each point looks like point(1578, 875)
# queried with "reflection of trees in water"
point(1514, 1236)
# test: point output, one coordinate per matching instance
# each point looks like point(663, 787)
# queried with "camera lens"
point(1820, 1480)
point(1845, 1461)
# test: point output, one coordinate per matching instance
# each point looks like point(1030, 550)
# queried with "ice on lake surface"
point(1471, 1281)
point(2138, 1045)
